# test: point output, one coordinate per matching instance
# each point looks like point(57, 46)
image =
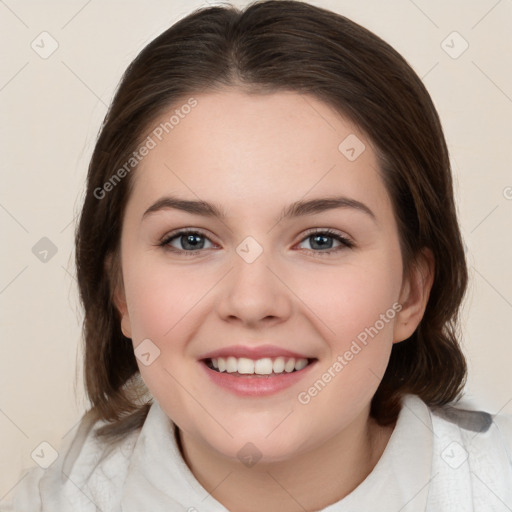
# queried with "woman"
point(271, 269)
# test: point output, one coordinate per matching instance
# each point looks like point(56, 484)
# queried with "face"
point(249, 283)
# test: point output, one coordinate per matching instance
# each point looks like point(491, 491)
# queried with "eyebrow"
point(296, 209)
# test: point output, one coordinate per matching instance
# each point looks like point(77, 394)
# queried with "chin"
point(261, 443)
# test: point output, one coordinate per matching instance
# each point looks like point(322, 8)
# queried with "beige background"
point(51, 111)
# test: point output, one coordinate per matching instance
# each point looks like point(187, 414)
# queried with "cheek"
point(159, 297)
point(360, 313)
point(167, 304)
point(356, 311)
point(164, 304)
point(350, 299)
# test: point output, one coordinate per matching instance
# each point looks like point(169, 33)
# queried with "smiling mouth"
point(265, 367)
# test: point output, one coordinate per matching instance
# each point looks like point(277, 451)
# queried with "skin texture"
point(253, 155)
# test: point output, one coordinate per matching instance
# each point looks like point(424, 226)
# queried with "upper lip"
point(249, 352)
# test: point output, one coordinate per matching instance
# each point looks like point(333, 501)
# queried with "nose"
point(255, 293)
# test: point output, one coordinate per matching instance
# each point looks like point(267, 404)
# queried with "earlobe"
point(118, 294)
point(122, 308)
point(414, 296)
point(125, 326)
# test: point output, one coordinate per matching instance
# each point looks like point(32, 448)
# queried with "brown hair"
point(280, 45)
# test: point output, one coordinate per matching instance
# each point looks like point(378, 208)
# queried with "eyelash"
point(345, 242)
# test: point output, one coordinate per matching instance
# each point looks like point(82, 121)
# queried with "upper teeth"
point(263, 366)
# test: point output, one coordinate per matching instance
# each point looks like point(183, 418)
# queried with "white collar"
point(159, 480)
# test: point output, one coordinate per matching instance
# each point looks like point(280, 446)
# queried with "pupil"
point(190, 240)
point(323, 244)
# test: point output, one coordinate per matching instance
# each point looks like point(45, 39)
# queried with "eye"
point(189, 241)
point(322, 240)
point(192, 241)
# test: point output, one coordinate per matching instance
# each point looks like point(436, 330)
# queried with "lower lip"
point(256, 385)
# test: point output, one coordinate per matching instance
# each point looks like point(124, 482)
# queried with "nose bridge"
point(251, 274)
point(257, 256)
point(253, 292)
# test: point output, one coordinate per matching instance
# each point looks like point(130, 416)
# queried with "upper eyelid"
point(174, 234)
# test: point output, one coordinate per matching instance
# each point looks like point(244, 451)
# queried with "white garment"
point(436, 460)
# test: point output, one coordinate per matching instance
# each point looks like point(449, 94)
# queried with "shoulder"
point(83, 462)
point(477, 429)
point(504, 425)
point(472, 457)
point(476, 424)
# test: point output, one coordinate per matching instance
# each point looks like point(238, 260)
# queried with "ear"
point(414, 296)
point(113, 269)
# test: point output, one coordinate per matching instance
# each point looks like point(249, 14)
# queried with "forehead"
point(256, 149)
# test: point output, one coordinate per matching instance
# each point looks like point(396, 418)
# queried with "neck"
point(309, 481)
